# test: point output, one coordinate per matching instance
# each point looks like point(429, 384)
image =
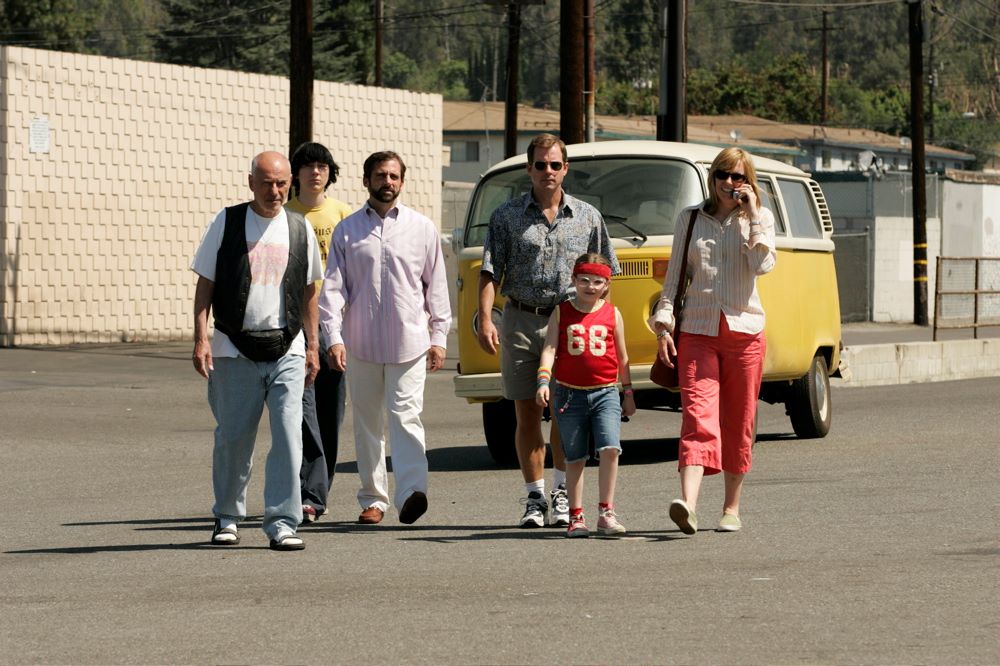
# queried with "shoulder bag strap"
point(682, 280)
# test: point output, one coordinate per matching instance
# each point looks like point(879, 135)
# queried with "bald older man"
point(257, 268)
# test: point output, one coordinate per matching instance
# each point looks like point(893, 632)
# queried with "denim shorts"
point(582, 413)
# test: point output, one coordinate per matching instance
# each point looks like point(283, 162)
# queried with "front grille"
point(633, 269)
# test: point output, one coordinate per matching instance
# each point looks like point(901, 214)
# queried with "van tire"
point(499, 426)
point(809, 405)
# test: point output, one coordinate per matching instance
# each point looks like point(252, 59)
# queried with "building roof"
point(757, 134)
point(468, 117)
point(753, 127)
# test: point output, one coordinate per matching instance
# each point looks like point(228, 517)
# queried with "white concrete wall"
point(97, 233)
point(972, 212)
point(915, 362)
point(892, 263)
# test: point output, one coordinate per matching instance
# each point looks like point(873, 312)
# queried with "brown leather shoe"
point(414, 507)
point(371, 516)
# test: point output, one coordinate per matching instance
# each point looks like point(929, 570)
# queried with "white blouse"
point(723, 267)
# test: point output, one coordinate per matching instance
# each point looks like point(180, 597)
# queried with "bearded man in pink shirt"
point(384, 310)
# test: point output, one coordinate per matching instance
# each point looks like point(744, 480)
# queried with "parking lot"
point(877, 544)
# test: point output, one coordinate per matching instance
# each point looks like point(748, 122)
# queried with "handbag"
point(662, 374)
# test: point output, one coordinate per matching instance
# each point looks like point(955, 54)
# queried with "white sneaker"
point(534, 510)
point(607, 523)
point(560, 507)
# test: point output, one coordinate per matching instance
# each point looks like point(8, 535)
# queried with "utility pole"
point(571, 72)
point(513, 65)
point(824, 104)
point(917, 163)
point(824, 95)
point(589, 77)
point(300, 79)
point(378, 43)
point(671, 119)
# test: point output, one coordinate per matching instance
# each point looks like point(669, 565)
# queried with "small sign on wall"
point(38, 136)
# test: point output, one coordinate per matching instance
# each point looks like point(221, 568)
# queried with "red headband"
point(593, 269)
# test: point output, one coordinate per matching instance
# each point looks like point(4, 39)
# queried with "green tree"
point(226, 34)
point(792, 90)
point(107, 27)
point(343, 41)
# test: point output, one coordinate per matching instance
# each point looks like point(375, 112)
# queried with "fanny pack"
point(262, 345)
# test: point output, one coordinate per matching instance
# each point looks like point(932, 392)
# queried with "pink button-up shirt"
point(385, 294)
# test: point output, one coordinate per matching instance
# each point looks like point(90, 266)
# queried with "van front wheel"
point(808, 404)
point(499, 426)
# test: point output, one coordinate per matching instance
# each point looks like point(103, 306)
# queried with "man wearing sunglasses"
point(530, 247)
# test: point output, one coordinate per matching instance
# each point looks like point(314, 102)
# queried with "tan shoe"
point(730, 523)
point(685, 518)
point(371, 516)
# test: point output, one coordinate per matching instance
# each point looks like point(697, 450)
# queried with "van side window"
point(802, 216)
point(768, 201)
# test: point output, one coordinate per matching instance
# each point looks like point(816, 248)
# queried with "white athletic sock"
point(226, 522)
point(536, 487)
point(558, 478)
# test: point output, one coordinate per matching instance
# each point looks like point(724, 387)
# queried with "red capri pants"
point(719, 381)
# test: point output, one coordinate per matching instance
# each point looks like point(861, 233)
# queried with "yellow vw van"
point(640, 187)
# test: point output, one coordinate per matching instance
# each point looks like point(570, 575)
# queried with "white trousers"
point(396, 390)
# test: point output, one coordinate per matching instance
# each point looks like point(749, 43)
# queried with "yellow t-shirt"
point(323, 219)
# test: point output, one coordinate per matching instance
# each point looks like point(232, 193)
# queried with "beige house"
point(473, 131)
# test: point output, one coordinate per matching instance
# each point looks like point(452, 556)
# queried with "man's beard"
point(385, 195)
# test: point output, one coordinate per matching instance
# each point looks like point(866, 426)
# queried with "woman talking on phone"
point(721, 354)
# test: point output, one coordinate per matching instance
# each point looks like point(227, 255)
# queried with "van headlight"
point(497, 320)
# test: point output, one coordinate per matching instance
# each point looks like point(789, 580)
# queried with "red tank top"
point(586, 356)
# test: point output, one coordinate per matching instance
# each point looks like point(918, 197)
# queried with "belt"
point(544, 312)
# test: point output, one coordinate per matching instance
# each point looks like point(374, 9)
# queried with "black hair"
point(308, 153)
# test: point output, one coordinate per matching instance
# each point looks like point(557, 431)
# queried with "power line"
point(986, 7)
point(987, 35)
point(850, 4)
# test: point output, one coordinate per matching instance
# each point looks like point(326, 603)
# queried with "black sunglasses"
point(737, 177)
point(555, 166)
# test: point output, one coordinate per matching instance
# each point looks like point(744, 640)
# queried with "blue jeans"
point(582, 413)
point(238, 389)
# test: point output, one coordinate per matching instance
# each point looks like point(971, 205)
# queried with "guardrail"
point(967, 293)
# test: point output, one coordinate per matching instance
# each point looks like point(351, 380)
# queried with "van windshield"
point(638, 197)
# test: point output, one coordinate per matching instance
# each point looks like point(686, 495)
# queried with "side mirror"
point(457, 239)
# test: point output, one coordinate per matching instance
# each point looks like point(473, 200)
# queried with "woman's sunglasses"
point(737, 177)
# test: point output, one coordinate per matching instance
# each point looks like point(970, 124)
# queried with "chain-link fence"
point(854, 282)
point(968, 293)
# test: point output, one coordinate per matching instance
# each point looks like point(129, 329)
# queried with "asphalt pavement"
point(877, 544)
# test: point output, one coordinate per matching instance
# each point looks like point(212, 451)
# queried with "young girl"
point(586, 339)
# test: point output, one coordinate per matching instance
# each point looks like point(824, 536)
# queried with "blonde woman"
point(721, 359)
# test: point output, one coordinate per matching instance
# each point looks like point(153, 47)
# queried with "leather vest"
point(232, 273)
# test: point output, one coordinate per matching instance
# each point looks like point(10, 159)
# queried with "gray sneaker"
point(535, 508)
point(560, 507)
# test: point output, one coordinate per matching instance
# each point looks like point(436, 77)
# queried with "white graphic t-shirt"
point(267, 244)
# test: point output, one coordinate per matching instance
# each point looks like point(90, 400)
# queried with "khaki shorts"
point(522, 336)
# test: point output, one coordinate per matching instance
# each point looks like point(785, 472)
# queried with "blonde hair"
point(727, 160)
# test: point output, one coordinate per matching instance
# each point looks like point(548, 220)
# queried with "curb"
point(918, 362)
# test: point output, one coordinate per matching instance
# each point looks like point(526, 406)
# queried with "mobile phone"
point(736, 195)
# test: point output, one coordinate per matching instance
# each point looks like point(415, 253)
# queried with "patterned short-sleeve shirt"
point(532, 259)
